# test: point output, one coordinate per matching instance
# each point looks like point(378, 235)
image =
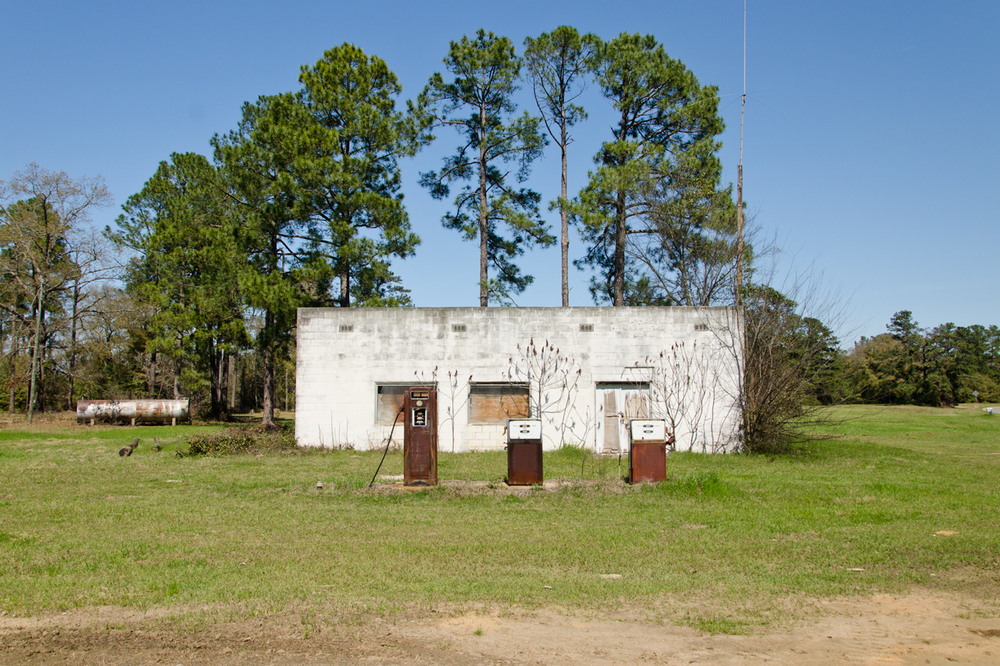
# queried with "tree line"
point(941, 366)
point(300, 205)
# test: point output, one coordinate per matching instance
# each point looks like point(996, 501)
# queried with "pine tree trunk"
point(177, 380)
point(618, 287)
point(267, 362)
point(231, 384)
point(484, 222)
point(36, 369)
point(564, 217)
point(151, 376)
point(216, 364)
point(345, 288)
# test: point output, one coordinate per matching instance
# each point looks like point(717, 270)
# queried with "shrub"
point(248, 440)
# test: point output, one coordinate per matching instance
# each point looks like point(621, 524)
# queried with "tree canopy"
point(301, 204)
point(182, 229)
point(477, 101)
point(658, 169)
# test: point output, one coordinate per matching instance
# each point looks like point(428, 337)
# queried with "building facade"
point(585, 372)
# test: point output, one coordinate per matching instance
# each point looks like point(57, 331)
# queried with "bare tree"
point(693, 389)
point(785, 349)
point(450, 392)
point(34, 237)
point(90, 253)
point(553, 381)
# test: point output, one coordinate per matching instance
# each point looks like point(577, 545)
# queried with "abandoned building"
point(585, 372)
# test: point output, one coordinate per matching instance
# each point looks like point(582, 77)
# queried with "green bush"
point(248, 440)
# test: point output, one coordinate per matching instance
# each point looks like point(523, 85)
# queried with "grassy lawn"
point(886, 499)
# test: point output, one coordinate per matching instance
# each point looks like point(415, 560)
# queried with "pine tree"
point(478, 103)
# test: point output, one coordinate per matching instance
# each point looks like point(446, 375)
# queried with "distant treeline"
point(940, 366)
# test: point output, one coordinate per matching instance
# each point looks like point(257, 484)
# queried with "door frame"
point(624, 392)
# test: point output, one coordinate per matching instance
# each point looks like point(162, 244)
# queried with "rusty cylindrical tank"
point(133, 412)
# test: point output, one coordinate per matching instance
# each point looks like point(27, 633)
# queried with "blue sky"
point(872, 151)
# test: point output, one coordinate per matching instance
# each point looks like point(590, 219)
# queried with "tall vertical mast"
point(739, 172)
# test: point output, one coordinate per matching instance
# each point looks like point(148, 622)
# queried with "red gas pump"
point(524, 452)
point(647, 455)
point(420, 436)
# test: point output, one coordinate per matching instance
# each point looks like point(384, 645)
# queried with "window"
point(495, 403)
point(388, 402)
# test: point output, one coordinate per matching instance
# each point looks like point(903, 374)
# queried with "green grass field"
point(886, 499)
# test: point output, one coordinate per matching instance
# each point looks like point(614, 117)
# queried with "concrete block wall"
point(345, 354)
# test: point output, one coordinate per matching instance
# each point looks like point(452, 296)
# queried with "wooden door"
point(617, 404)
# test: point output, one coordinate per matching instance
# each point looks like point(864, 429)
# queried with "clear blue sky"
point(872, 136)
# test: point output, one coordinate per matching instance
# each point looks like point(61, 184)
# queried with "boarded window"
point(495, 403)
point(389, 400)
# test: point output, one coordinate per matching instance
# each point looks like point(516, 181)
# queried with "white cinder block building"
point(584, 371)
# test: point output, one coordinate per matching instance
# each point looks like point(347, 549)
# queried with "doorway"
point(617, 404)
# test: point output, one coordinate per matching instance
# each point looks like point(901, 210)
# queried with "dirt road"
point(918, 628)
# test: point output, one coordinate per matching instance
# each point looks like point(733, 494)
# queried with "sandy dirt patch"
point(918, 628)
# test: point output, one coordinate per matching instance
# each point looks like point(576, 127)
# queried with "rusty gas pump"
point(420, 436)
point(524, 452)
point(647, 456)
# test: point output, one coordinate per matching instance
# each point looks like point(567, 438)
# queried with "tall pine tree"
point(559, 64)
point(183, 229)
point(666, 128)
point(348, 171)
point(477, 101)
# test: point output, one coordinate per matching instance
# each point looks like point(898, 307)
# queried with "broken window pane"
point(389, 402)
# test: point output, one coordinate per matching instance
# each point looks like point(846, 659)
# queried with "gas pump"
point(647, 456)
point(420, 436)
point(524, 452)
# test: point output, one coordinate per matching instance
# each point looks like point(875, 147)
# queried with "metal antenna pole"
point(739, 172)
